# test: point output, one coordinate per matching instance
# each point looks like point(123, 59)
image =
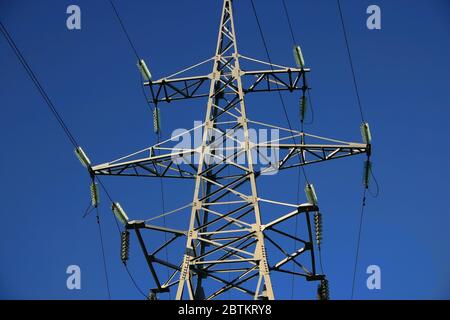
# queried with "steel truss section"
point(287, 79)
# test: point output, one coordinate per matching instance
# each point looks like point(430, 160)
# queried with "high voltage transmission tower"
point(232, 231)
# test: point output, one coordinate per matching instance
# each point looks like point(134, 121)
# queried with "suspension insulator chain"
point(367, 172)
point(95, 200)
point(367, 138)
point(318, 227)
point(303, 107)
point(156, 120)
point(323, 292)
point(125, 245)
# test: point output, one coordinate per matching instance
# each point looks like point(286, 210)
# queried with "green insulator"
point(311, 194)
point(365, 133)
point(144, 70)
point(119, 213)
point(298, 56)
point(81, 155)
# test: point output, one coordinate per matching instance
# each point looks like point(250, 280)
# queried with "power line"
point(286, 12)
point(58, 117)
point(303, 170)
point(363, 205)
point(291, 29)
point(163, 207)
point(363, 202)
point(271, 66)
point(135, 283)
point(124, 29)
point(61, 122)
point(294, 42)
point(133, 47)
point(295, 234)
point(88, 210)
point(38, 85)
point(103, 252)
point(147, 102)
point(351, 61)
point(130, 275)
point(377, 193)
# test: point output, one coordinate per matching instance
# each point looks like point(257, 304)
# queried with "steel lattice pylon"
point(228, 236)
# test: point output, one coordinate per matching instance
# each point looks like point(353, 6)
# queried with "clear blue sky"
point(403, 72)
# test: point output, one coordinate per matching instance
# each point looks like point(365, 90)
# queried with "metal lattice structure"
point(228, 232)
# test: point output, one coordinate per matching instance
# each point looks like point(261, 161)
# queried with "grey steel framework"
point(229, 235)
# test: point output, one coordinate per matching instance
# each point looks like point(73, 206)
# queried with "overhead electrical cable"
point(271, 66)
point(57, 116)
point(361, 219)
point(301, 168)
point(38, 85)
point(133, 47)
point(156, 117)
point(308, 92)
point(350, 59)
point(363, 204)
point(103, 252)
point(368, 167)
point(105, 190)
